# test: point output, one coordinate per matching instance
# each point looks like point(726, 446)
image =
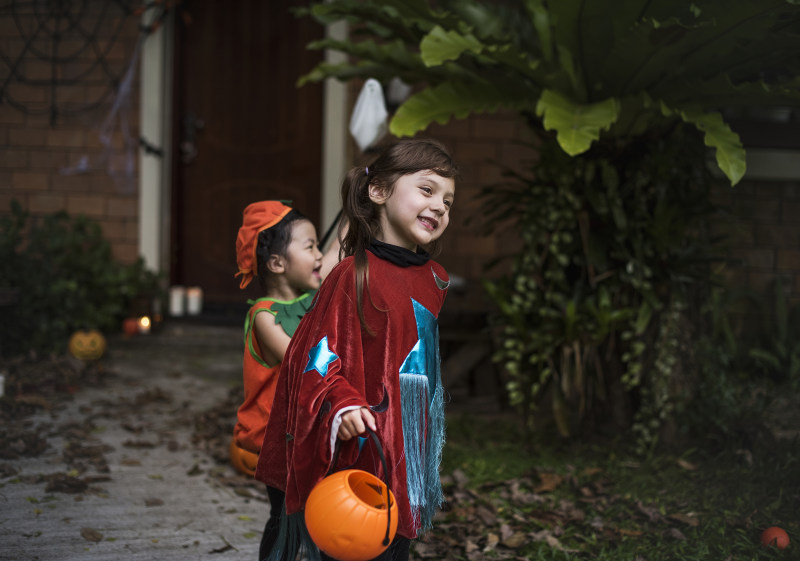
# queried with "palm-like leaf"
point(590, 68)
point(577, 125)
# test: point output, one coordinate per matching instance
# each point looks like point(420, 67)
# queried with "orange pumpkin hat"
point(256, 218)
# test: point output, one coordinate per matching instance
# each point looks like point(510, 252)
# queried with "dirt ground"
point(127, 458)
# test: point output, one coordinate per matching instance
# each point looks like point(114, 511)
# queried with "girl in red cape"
point(366, 355)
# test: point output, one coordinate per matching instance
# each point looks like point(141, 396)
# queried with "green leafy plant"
point(586, 70)
point(59, 275)
point(594, 315)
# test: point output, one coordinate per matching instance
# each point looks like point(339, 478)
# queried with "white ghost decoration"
point(368, 123)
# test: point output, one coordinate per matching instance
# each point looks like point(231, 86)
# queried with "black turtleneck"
point(397, 255)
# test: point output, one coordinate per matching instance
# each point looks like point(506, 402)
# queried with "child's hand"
point(354, 422)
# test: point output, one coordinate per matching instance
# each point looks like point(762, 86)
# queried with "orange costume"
point(260, 378)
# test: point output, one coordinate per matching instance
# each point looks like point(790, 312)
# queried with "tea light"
point(177, 300)
point(194, 300)
point(144, 324)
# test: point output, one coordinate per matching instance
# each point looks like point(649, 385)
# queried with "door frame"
point(155, 171)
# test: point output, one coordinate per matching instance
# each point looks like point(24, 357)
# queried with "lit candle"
point(194, 300)
point(144, 324)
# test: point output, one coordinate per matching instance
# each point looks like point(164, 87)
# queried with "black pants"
point(271, 529)
point(397, 551)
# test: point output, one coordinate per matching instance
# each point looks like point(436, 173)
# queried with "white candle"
point(144, 325)
point(177, 297)
point(194, 300)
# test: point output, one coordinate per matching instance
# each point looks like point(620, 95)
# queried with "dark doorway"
point(243, 132)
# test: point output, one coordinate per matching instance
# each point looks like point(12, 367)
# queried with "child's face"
point(303, 258)
point(418, 210)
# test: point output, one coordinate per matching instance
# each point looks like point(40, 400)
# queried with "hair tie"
point(366, 171)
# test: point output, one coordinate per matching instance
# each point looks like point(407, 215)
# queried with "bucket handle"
point(377, 442)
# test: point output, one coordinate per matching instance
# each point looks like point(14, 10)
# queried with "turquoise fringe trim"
point(423, 445)
point(414, 403)
point(434, 496)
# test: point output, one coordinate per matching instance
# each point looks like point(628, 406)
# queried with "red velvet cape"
point(332, 363)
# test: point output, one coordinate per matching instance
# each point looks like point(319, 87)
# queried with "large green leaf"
point(439, 46)
point(576, 125)
point(440, 103)
point(717, 134)
point(541, 22)
point(392, 56)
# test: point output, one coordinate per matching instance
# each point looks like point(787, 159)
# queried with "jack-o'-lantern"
point(87, 345)
point(243, 461)
point(347, 516)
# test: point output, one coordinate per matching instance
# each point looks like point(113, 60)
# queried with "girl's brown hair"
point(362, 216)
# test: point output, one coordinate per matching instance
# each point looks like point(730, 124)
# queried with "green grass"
point(605, 503)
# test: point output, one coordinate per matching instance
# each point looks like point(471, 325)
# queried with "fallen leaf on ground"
point(492, 540)
point(549, 482)
point(91, 535)
point(138, 444)
point(63, 483)
point(487, 516)
point(36, 400)
point(689, 519)
point(675, 533)
point(651, 512)
point(515, 540)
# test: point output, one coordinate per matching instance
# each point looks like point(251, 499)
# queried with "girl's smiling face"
point(303, 258)
point(417, 211)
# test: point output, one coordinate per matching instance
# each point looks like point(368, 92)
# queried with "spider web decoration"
point(66, 60)
point(65, 56)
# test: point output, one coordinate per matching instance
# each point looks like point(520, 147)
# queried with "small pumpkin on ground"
point(87, 344)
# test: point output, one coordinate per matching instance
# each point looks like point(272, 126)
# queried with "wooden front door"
point(243, 132)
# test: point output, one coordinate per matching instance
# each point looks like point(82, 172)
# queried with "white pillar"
point(154, 128)
point(334, 133)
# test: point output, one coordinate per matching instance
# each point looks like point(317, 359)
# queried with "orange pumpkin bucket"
point(244, 461)
point(351, 515)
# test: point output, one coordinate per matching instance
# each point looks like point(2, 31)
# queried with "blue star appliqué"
point(422, 360)
point(320, 357)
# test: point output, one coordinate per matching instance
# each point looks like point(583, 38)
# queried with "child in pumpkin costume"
point(366, 354)
point(278, 246)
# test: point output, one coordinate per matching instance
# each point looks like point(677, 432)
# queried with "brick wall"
point(36, 153)
point(764, 233)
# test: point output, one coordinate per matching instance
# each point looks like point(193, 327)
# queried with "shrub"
point(57, 274)
point(597, 314)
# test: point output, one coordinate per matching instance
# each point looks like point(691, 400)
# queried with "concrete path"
point(121, 477)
